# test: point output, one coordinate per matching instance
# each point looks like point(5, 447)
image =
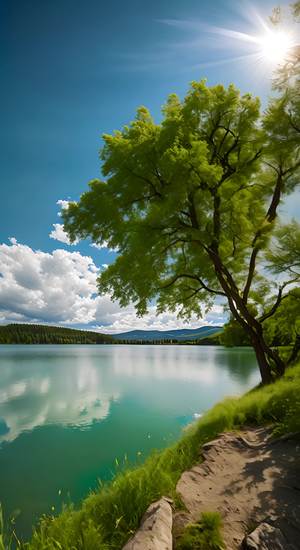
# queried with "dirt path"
point(248, 478)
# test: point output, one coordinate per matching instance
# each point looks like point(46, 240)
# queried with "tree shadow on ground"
point(273, 471)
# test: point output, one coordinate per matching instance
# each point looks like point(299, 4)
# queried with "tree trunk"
point(269, 362)
point(263, 363)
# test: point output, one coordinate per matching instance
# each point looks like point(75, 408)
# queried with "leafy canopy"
point(191, 203)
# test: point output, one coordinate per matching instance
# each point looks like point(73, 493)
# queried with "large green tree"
point(192, 204)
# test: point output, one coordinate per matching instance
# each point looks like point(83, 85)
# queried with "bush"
point(204, 535)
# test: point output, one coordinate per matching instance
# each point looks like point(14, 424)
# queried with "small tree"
point(191, 204)
point(283, 329)
point(280, 329)
point(233, 334)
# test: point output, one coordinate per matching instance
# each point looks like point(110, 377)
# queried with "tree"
point(281, 329)
point(233, 334)
point(192, 203)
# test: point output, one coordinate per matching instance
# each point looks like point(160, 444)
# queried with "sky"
point(71, 71)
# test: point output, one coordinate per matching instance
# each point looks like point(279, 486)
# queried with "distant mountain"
point(162, 335)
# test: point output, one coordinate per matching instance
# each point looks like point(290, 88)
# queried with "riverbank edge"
point(109, 516)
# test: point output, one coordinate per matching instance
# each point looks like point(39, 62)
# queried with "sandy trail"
point(248, 478)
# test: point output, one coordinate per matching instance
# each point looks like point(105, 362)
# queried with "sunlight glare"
point(276, 45)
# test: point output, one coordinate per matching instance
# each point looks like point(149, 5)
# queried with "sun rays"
point(267, 44)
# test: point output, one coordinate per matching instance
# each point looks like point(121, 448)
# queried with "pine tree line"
point(43, 334)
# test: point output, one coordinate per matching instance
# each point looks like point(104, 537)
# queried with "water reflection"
point(67, 412)
point(200, 364)
point(70, 391)
point(75, 385)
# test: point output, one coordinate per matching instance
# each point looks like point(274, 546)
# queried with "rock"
point(155, 531)
point(265, 537)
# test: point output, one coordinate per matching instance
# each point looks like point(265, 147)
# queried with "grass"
point(203, 535)
point(8, 537)
point(110, 515)
point(2, 543)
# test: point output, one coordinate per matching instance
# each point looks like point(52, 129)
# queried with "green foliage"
point(296, 9)
point(44, 334)
point(108, 516)
point(283, 328)
point(175, 192)
point(234, 335)
point(284, 255)
point(157, 176)
point(194, 201)
point(68, 530)
point(8, 537)
point(2, 547)
point(203, 535)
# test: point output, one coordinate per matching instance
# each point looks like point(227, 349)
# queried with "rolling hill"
point(169, 335)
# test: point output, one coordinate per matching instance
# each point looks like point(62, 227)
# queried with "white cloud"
point(58, 234)
point(61, 288)
point(100, 246)
point(55, 288)
point(64, 205)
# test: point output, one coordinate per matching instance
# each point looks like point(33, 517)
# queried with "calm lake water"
point(67, 412)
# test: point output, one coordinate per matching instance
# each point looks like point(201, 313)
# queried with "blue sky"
point(72, 70)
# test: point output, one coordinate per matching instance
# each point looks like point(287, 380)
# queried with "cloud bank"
point(61, 288)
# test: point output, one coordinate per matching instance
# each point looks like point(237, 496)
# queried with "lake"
point(68, 412)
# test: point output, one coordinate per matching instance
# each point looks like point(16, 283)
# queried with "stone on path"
point(266, 537)
point(155, 531)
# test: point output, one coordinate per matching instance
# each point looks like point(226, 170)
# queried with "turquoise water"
point(67, 412)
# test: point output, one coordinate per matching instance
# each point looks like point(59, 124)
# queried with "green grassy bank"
point(108, 517)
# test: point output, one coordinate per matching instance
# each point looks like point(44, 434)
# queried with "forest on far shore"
point(17, 333)
point(43, 334)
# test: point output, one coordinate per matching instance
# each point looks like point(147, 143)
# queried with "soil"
point(249, 478)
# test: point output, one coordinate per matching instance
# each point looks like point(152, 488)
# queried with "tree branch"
point(291, 168)
point(293, 125)
point(146, 180)
point(195, 278)
point(270, 217)
point(250, 271)
point(272, 211)
point(278, 301)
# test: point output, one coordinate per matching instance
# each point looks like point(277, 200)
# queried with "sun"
point(275, 45)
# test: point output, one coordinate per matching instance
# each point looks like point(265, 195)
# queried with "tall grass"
point(110, 515)
point(8, 537)
point(203, 535)
point(2, 546)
